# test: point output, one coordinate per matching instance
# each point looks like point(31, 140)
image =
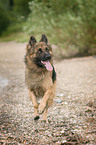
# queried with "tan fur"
point(39, 81)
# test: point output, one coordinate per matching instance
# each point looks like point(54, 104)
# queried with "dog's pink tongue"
point(48, 65)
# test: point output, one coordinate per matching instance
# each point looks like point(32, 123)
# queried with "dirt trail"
point(73, 114)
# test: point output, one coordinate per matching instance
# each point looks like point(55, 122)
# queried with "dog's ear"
point(32, 41)
point(44, 38)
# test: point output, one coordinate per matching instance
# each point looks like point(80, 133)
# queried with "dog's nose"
point(48, 56)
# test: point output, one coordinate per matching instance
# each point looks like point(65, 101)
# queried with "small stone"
point(62, 131)
point(58, 142)
point(65, 103)
point(63, 141)
point(36, 130)
point(61, 94)
point(58, 101)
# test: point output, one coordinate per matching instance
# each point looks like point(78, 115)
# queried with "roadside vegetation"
point(70, 25)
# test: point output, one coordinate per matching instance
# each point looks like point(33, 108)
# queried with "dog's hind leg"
point(35, 104)
point(45, 115)
point(36, 114)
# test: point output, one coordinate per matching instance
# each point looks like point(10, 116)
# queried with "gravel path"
point(72, 118)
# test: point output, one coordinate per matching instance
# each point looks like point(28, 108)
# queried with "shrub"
point(4, 19)
point(69, 24)
point(21, 7)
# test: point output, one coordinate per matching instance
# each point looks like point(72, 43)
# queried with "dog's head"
point(40, 53)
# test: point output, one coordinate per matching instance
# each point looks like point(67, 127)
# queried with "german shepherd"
point(40, 75)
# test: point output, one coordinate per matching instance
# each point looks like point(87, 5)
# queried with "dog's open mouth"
point(47, 65)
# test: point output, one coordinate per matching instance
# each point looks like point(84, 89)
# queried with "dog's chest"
point(42, 84)
point(39, 83)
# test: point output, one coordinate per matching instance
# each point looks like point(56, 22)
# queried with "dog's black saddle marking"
point(53, 75)
point(25, 59)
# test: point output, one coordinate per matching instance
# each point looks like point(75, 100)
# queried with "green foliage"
point(5, 4)
point(70, 24)
point(21, 7)
point(13, 29)
point(4, 19)
point(9, 15)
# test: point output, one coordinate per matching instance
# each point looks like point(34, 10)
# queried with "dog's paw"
point(36, 117)
point(42, 107)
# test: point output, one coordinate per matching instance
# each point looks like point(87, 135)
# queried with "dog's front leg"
point(35, 104)
point(45, 115)
point(45, 101)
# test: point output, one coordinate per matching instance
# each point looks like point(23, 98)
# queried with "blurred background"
point(69, 24)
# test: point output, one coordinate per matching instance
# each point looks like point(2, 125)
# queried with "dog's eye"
point(47, 49)
point(40, 50)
